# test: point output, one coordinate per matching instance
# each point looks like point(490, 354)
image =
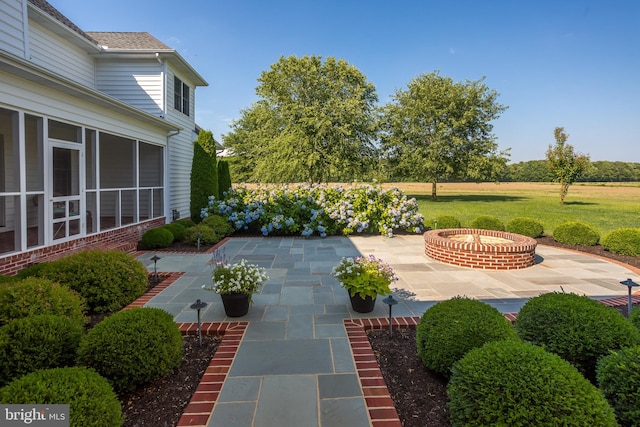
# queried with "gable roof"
point(44, 6)
point(128, 41)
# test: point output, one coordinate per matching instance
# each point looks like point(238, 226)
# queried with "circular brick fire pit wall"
point(481, 249)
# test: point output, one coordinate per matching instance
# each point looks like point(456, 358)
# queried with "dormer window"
point(180, 96)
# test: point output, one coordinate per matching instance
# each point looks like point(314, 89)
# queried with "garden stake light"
point(199, 305)
point(155, 260)
point(199, 235)
point(390, 302)
point(629, 284)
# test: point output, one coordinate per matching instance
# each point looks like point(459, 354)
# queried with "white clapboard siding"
point(137, 83)
point(12, 27)
point(54, 53)
point(180, 149)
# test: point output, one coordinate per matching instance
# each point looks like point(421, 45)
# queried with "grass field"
point(603, 206)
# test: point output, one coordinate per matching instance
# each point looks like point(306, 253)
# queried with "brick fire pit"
point(480, 249)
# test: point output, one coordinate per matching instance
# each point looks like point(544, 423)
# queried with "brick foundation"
point(516, 253)
point(125, 238)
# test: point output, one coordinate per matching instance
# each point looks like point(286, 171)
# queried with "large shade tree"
point(314, 121)
point(438, 129)
point(565, 163)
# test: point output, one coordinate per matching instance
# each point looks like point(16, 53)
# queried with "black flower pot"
point(362, 305)
point(235, 305)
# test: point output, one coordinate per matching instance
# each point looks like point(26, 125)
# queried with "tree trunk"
point(434, 196)
point(564, 189)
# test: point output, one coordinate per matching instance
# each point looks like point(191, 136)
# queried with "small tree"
point(204, 173)
point(566, 165)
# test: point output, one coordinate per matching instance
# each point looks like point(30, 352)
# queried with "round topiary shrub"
point(208, 235)
point(133, 347)
point(91, 400)
point(177, 230)
point(449, 329)
point(576, 233)
point(442, 222)
point(37, 342)
point(35, 295)
point(108, 280)
point(488, 222)
point(618, 377)
point(623, 241)
point(512, 383)
point(526, 226)
point(577, 328)
point(156, 238)
point(220, 224)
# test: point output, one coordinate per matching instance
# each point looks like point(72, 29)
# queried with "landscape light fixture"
point(155, 260)
point(629, 284)
point(390, 302)
point(199, 305)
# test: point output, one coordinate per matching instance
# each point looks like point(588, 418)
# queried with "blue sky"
point(565, 63)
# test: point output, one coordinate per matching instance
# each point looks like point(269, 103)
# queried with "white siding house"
point(96, 135)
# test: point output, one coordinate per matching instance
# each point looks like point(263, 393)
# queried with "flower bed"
point(318, 210)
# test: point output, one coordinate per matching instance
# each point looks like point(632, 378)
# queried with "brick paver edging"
point(200, 407)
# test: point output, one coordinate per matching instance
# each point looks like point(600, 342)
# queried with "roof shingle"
point(128, 40)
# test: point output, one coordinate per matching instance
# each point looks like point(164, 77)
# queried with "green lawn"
point(605, 207)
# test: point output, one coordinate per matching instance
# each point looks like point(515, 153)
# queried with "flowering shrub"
point(240, 277)
point(367, 276)
point(318, 210)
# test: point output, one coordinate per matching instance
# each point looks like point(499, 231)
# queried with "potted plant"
point(364, 278)
point(236, 284)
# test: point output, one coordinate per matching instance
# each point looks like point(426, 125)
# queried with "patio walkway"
point(294, 366)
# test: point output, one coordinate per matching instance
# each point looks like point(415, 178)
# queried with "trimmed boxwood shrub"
point(449, 329)
point(37, 342)
point(488, 222)
point(526, 226)
point(91, 400)
point(577, 328)
point(618, 377)
point(177, 229)
point(220, 225)
point(156, 238)
point(133, 347)
point(512, 383)
point(208, 235)
point(445, 221)
point(623, 241)
point(186, 222)
point(36, 295)
point(108, 280)
point(8, 279)
point(576, 233)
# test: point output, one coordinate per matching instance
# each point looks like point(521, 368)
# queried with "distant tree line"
point(602, 171)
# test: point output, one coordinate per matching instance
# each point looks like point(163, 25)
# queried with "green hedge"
point(618, 377)
point(91, 400)
point(576, 233)
point(526, 227)
point(133, 347)
point(37, 342)
point(34, 295)
point(488, 222)
point(208, 235)
point(624, 241)
point(634, 316)
point(108, 280)
point(177, 229)
point(449, 329)
point(577, 328)
point(512, 383)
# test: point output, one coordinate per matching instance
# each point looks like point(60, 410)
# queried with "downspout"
point(167, 183)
